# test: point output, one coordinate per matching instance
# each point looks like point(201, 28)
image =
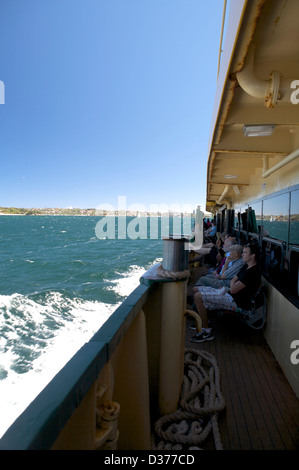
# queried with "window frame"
point(283, 283)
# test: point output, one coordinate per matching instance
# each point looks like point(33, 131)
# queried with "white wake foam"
point(18, 390)
point(76, 327)
point(129, 280)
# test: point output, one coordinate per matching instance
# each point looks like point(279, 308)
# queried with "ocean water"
point(58, 284)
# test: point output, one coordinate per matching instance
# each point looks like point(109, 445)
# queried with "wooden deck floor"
point(262, 411)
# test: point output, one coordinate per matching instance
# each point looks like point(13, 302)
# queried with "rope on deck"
point(172, 274)
point(201, 401)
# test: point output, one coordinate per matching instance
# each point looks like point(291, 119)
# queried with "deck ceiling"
point(270, 32)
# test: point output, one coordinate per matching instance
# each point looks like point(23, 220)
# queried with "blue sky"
point(106, 98)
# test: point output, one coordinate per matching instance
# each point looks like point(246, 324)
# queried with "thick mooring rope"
point(201, 400)
point(172, 274)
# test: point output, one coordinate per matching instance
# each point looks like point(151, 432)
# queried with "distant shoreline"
point(99, 215)
point(87, 212)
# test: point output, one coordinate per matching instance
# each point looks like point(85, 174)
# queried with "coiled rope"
point(201, 401)
point(172, 274)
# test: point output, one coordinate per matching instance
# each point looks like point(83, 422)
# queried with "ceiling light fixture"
point(258, 130)
point(230, 177)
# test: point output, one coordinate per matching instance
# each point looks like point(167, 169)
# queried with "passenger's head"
point(228, 243)
point(251, 252)
point(236, 251)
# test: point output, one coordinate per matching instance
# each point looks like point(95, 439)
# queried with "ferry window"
point(236, 218)
point(272, 258)
point(229, 224)
point(294, 271)
point(243, 218)
point(275, 217)
point(255, 217)
point(222, 227)
point(218, 222)
point(294, 218)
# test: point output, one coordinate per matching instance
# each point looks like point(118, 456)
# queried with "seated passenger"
point(227, 243)
point(209, 249)
point(233, 264)
point(242, 289)
point(210, 234)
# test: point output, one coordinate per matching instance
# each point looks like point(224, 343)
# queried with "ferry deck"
point(261, 411)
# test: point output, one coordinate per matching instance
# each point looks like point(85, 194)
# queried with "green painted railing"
point(41, 423)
